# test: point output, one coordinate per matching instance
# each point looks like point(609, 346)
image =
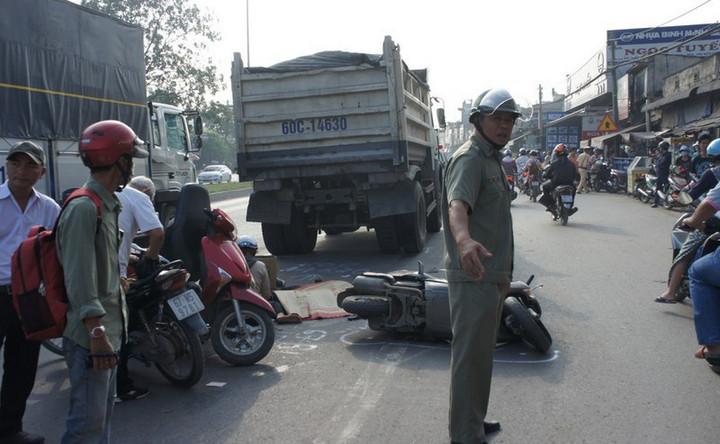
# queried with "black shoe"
point(491, 427)
point(573, 211)
point(133, 393)
point(23, 438)
point(654, 205)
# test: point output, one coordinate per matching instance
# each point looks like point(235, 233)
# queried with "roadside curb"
point(233, 194)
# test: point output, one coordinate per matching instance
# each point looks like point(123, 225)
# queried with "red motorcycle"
point(242, 331)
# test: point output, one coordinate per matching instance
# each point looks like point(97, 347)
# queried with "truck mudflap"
point(273, 207)
point(400, 199)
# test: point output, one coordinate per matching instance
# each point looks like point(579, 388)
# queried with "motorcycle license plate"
point(567, 205)
point(567, 198)
point(185, 304)
point(535, 183)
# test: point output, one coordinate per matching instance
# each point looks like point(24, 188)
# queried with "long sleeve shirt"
point(89, 256)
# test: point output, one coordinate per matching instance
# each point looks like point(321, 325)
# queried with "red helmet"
point(104, 142)
point(560, 149)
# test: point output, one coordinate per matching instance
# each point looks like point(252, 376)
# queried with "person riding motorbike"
point(560, 172)
point(701, 161)
point(683, 164)
point(522, 159)
point(662, 170)
point(695, 239)
point(508, 163)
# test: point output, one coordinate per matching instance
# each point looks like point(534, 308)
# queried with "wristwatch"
point(97, 332)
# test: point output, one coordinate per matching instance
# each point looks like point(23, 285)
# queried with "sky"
point(467, 46)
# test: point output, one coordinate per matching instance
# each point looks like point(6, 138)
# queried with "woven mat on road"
point(314, 301)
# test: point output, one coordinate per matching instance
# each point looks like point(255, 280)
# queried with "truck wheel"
point(413, 226)
point(299, 238)
point(274, 238)
point(386, 234)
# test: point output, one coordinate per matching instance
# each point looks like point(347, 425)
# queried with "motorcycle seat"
point(565, 189)
point(183, 237)
point(390, 279)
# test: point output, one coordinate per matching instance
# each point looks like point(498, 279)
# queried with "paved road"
point(621, 369)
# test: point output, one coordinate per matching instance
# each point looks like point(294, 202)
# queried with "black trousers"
point(20, 366)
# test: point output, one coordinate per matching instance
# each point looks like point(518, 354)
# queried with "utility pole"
point(541, 141)
point(247, 28)
point(612, 81)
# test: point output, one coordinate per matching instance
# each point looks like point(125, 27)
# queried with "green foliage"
point(177, 34)
point(217, 149)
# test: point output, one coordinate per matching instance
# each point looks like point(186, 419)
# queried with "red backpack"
point(38, 283)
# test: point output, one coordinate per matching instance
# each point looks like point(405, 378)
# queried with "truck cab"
point(171, 167)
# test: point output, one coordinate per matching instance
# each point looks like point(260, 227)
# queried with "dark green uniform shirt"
point(89, 256)
point(475, 176)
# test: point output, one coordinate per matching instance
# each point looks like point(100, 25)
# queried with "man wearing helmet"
point(560, 172)
point(695, 240)
point(683, 164)
point(479, 244)
point(662, 170)
point(701, 161)
point(87, 245)
point(522, 159)
point(258, 269)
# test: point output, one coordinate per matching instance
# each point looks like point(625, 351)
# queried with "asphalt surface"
point(621, 368)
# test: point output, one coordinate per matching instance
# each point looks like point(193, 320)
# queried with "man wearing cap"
point(479, 244)
point(21, 207)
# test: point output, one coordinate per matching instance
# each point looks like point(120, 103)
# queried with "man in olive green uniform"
point(479, 244)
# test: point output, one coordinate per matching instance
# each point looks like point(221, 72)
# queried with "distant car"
point(215, 174)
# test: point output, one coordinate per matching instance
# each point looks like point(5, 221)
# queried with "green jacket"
point(475, 176)
point(89, 256)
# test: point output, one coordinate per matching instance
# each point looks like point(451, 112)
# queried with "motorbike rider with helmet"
point(683, 164)
point(662, 170)
point(479, 245)
point(522, 159)
point(695, 239)
point(258, 269)
point(87, 246)
point(560, 172)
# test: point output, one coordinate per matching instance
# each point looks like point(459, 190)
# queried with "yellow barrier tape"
point(76, 96)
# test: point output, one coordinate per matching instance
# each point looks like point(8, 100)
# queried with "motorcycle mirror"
point(421, 268)
point(532, 276)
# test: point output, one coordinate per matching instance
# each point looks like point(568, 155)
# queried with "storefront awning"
point(667, 100)
point(597, 141)
point(713, 120)
point(566, 117)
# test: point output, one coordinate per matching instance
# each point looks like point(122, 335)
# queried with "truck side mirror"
point(441, 117)
point(197, 143)
point(198, 126)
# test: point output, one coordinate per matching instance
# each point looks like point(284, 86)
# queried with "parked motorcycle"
point(645, 188)
point(242, 330)
point(620, 178)
point(407, 302)
point(603, 178)
point(164, 325)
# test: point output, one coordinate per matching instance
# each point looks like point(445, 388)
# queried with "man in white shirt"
point(21, 207)
point(137, 216)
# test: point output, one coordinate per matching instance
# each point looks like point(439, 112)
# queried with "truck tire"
point(386, 234)
point(413, 226)
point(434, 219)
point(274, 237)
point(299, 238)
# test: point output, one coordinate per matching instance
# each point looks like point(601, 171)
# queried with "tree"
point(177, 34)
point(219, 138)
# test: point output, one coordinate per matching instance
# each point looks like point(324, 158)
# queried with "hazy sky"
point(467, 46)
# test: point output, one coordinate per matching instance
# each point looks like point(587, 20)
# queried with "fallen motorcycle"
point(415, 302)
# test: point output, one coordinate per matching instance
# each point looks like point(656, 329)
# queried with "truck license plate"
point(186, 304)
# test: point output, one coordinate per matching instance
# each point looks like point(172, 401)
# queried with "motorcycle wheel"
point(53, 346)
point(526, 326)
point(367, 306)
point(242, 350)
point(186, 347)
point(563, 217)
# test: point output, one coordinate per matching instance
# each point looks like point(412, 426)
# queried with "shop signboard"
point(587, 83)
point(623, 97)
point(569, 135)
point(633, 43)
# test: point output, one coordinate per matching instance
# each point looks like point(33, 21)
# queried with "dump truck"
point(337, 141)
point(64, 67)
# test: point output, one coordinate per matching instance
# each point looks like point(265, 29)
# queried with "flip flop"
point(662, 300)
point(713, 359)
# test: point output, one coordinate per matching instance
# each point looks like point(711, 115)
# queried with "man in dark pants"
point(479, 243)
point(662, 170)
point(560, 172)
point(21, 207)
